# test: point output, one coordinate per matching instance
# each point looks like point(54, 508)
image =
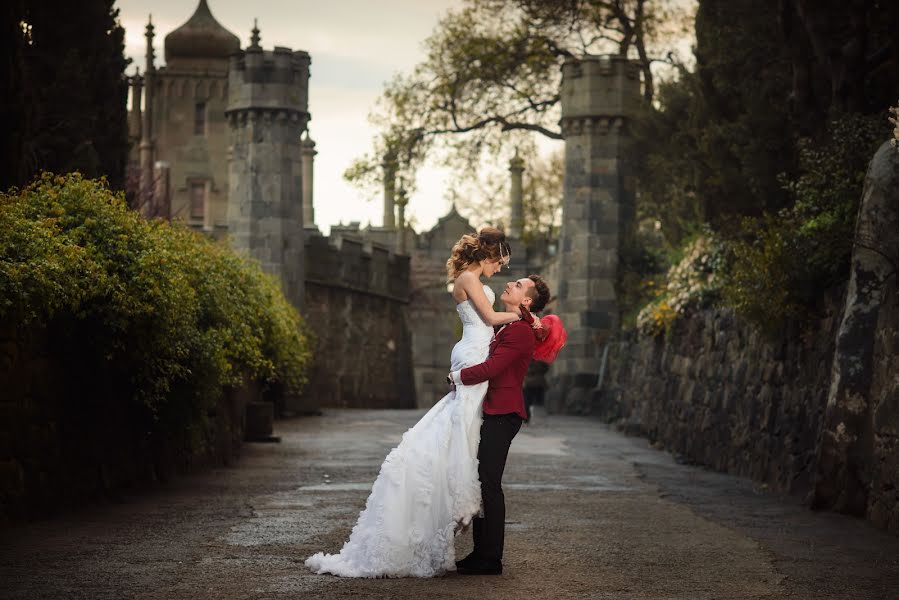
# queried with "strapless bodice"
point(476, 335)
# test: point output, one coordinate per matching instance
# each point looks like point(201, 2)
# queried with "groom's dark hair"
point(539, 294)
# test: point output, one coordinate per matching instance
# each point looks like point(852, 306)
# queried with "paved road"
point(592, 514)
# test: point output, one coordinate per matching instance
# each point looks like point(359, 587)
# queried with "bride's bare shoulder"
point(462, 285)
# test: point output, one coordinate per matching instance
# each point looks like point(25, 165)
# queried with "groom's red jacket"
point(510, 355)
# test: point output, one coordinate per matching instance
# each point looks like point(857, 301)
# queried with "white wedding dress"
point(428, 486)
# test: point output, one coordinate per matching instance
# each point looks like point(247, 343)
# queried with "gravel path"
point(591, 514)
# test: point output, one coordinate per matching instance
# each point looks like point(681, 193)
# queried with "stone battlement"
point(269, 79)
point(357, 303)
point(601, 85)
point(358, 265)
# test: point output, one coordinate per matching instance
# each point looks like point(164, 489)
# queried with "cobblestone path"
point(591, 514)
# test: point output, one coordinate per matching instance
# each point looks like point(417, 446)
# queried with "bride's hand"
point(529, 318)
point(526, 315)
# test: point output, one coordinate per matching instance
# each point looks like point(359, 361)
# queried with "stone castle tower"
point(180, 134)
point(599, 94)
point(216, 142)
point(267, 112)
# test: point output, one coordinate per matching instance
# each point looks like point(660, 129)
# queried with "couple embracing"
point(447, 470)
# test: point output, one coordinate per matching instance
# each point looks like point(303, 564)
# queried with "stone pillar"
point(308, 149)
point(267, 114)
point(134, 123)
point(401, 202)
point(598, 95)
point(162, 190)
point(516, 224)
point(145, 192)
point(389, 167)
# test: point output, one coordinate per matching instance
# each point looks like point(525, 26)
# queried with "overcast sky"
point(356, 45)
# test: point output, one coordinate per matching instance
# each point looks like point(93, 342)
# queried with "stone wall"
point(719, 393)
point(357, 304)
point(66, 439)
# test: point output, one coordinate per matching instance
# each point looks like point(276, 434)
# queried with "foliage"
point(694, 282)
point(643, 260)
point(773, 161)
point(843, 57)
point(782, 262)
point(65, 90)
point(710, 149)
point(666, 154)
point(486, 200)
point(542, 191)
point(492, 74)
point(167, 316)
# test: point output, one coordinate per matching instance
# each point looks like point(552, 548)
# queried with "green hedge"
point(168, 317)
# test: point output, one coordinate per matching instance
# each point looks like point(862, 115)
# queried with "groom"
point(510, 354)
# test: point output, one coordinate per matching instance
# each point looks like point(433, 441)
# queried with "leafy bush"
point(165, 314)
point(693, 282)
point(782, 262)
point(643, 260)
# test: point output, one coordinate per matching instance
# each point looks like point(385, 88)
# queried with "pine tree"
point(13, 111)
point(73, 90)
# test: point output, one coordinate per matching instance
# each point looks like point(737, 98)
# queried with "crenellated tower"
point(599, 95)
point(267, 113)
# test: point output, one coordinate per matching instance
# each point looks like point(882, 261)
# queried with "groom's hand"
point(449, 380)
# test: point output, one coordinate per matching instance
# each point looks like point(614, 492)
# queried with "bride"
point(428, 486)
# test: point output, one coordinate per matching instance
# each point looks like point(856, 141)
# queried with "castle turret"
point(516, 223)
point(145, 193)
point(598, 96)
point(200, 39)
point(389, 170)
point(401, 202)
point(267, 113)
point(309, 153)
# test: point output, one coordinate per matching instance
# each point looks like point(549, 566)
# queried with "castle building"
point(220, 143)
point(183, 129)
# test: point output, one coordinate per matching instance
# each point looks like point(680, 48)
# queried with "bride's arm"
point(475, 292)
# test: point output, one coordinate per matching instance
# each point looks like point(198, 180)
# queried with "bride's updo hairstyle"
point(487, 244)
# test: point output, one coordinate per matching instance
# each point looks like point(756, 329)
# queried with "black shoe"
point(481, 566)
point(470, 559)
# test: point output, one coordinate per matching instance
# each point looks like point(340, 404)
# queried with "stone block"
point(601, 290)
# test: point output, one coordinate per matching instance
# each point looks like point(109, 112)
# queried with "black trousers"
point(497, 432)
point(532, 396)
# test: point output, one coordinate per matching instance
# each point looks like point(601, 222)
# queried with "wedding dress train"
point(428, 485)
